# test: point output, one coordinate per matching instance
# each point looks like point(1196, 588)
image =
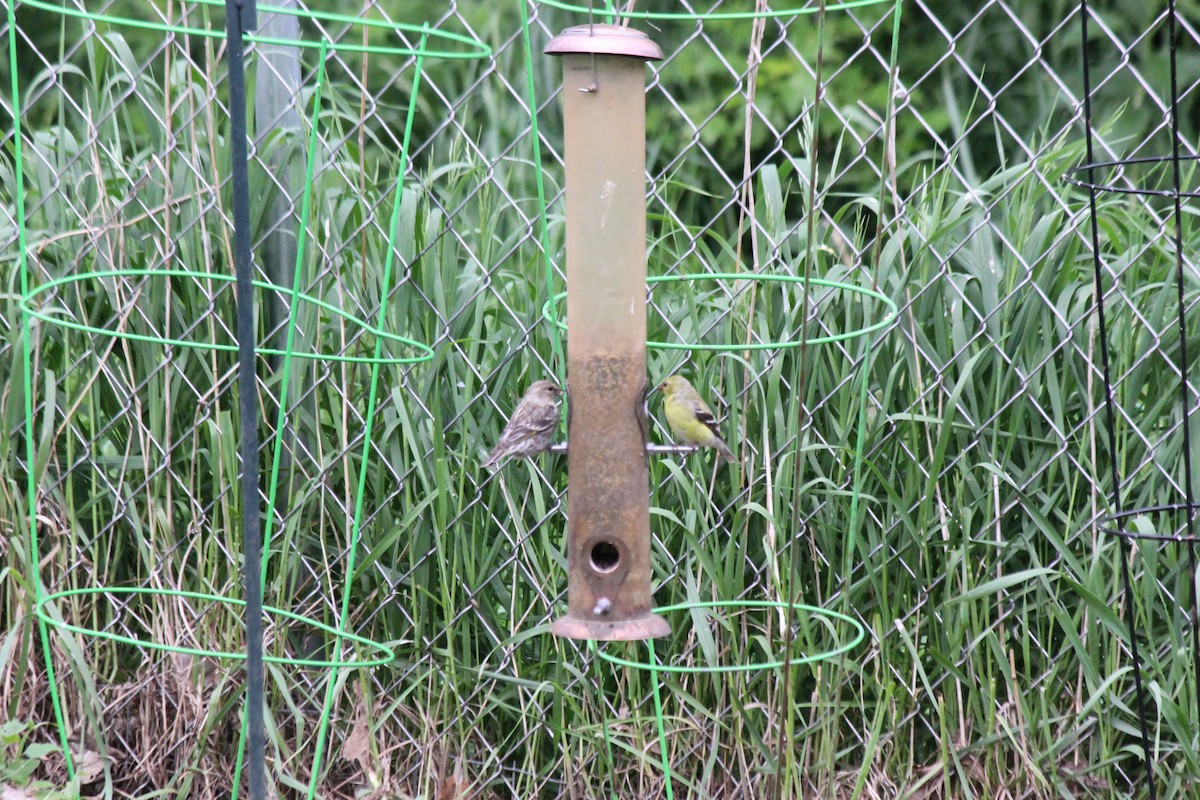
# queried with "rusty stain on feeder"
point(604, 109)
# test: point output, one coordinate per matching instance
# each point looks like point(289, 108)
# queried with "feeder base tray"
point(651, 626)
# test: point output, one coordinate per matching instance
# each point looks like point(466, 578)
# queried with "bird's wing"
point(545, 419)
point(705, 415)
point(538, 419)
point(529, 420)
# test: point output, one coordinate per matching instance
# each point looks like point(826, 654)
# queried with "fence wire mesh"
point(995, 662)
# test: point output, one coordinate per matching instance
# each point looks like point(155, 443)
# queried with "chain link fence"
point(941, 480)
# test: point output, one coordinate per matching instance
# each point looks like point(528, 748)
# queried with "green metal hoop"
point(40, 610)
point(476, 49)
point(551, 316)
point(425, 352)
point(811, 658)
point(610, 12)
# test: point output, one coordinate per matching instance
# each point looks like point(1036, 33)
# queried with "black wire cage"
point(1146, 301)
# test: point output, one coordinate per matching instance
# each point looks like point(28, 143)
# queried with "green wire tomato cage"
point(74, 283)
point(860, 311)
point(608, 12)
point(815, 635)
point(841, 288)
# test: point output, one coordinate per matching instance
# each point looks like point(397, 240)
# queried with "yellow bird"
point(690, 418)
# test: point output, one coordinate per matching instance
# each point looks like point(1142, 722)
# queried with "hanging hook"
point(592, 87)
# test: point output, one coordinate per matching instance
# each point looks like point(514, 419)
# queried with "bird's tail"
point(725, 452)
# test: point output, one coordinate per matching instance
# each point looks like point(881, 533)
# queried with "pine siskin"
point(532, 426)
point(689, 416)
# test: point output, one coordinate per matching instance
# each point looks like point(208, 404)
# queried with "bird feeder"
point(608, 529)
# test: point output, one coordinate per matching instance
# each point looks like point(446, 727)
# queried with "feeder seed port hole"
point(51, 316)
point(691, 16)
point(1120, 165)
point(474, 48)
point(829, 618)
point(604, 556)
point(42, 613)
point(549, 310)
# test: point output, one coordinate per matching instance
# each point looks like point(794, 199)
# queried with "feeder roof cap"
point(611, 40)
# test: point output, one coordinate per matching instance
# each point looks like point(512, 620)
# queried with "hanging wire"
point(559, 364)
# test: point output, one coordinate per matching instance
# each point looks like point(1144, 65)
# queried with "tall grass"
point(995, 662)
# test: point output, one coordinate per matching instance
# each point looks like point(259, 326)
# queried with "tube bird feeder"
point(608, 529)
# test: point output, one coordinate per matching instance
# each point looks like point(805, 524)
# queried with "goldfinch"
point(690, 418)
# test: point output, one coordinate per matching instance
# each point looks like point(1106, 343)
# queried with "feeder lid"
point(610, 40)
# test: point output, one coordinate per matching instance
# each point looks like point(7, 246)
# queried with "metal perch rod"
point(561, 447)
